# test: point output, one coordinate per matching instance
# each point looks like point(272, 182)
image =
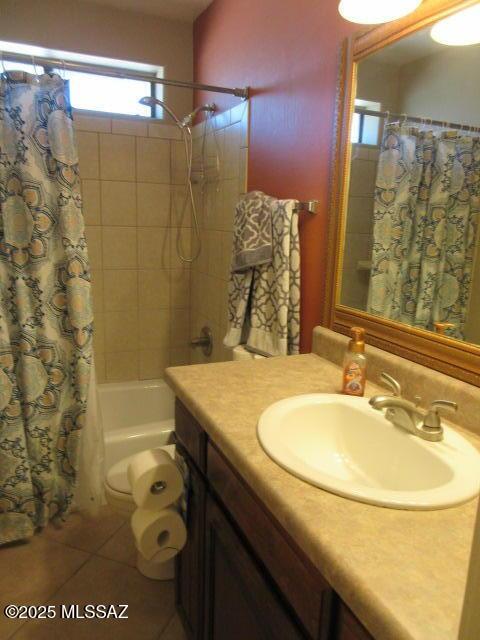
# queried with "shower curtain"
point(46, 320)
point(427, 200)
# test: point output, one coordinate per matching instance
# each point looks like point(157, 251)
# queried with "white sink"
point(343, 445)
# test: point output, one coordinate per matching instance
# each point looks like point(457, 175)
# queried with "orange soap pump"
point(355, 364)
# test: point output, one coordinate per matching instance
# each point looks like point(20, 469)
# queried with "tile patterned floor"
point(89, 560)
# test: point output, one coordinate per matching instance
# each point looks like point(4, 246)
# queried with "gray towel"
point(264, 301)
point(252, 236)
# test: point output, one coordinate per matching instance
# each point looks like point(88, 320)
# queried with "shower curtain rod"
point(407, 118)
point(115, 72)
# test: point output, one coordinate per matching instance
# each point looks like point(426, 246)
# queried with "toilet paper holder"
point(158, 487)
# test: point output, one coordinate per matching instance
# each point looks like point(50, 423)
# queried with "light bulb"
point(376, 11)
point(460, 29)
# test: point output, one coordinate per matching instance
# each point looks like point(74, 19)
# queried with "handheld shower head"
point(188, 120)
point(150, 101)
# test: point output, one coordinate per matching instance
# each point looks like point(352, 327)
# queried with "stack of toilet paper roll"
point(158, 528)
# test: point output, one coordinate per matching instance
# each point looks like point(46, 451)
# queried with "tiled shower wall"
point(132, 179)
point(358, 241)
point(217, 196)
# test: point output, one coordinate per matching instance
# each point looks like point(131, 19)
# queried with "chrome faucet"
point(408, 416)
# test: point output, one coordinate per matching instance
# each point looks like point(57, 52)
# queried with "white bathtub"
point(136, 416)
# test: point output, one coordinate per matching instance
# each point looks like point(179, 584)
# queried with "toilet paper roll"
point(155, 479)
point(158, 535)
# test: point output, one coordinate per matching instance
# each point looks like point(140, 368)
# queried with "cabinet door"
point(240, 602)
point(348, 627)
point(189, 574)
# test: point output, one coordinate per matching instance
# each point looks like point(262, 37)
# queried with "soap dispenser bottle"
point(355, 364)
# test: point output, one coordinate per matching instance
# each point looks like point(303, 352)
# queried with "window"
point(95, 92)
point(102, 93)
point(365, 129)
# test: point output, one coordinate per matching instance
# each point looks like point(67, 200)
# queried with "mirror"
point(411, 251)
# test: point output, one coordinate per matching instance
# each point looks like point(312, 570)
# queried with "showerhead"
point(150, 101)
point(188, 120)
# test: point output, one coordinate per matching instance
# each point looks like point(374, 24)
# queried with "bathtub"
point(136, 415)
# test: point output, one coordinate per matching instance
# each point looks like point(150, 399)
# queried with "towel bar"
point(310, 206)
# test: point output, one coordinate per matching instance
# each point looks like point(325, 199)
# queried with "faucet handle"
point(393, 384)
point(449, 405)
point(432, 422)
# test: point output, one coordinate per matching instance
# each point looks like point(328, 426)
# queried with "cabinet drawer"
point(191, 435)
point(301, 584)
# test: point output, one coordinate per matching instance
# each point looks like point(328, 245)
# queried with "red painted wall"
point(287, 52)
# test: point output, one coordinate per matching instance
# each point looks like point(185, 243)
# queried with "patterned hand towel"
point(252, 237)
point(264, 301)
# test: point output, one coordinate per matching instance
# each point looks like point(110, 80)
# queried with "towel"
point(252, 238)
point(264, 300)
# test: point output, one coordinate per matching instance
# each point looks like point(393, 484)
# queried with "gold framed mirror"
point(404, 236)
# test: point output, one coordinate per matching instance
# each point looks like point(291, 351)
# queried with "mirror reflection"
point(412, 243)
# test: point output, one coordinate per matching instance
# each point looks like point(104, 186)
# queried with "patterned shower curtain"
point(46, 320)
point(427, 200)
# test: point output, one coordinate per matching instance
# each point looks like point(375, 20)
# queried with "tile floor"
point(88, 560)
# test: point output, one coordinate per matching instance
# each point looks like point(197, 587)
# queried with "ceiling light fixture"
point(376, 11)
point(459, 29)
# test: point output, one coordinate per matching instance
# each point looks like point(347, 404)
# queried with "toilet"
point(118, 494)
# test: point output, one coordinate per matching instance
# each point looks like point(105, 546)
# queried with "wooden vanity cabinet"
point(189, 569)
point(240, 602)
point(240, 577)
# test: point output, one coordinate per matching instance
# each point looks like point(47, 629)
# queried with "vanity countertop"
point(403, 573)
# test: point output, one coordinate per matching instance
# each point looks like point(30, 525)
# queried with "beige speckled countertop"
point(403, 573)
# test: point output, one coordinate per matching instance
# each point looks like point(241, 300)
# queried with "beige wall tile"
point(120, 289)
point(230, 198)
point(154, 328)
point(121, 331)
point(185, 246)
point(117, 157)
point(179, 163)
point(87, 144)
point(99, 333)
point(153, 362)
point(100, 368)
point(153, 289)
point(179, 356)
point(231, 157)
point(121, 366)
point(180, 328)
point(153, 204)
point(180, 288)
point(166, 131)
point(243, 171)
point(226, 258)
point(97, 290)
point(119, 247)
point(91, 202)
point(153, 160)
point(181, 210)
point(153, 248)
point(362, 177)
point(99, 124)
point(130, 126)
point(94, 246)
point(215, 253)
point(119, 206)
